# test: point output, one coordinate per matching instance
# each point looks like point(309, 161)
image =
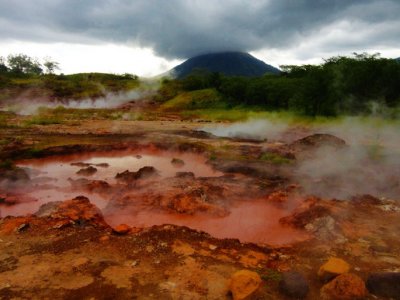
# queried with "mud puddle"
point(253, 220)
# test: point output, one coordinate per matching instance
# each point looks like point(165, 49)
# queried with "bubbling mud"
point(53, 178)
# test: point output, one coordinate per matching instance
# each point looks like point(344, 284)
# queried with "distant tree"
point(3, 66)
point(130, 76)
point(50, 65)
point(23, 64)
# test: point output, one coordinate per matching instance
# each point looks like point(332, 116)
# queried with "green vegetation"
point(33, 153)
point(362, 84)
point(205, 98)
point(21, 73)
point(7, 165)
point(270, 274)
point(275, 158)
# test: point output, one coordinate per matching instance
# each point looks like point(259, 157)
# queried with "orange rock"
point(244, 284)
point(344, 287)
point(122, 229)
point(332, 268)
point(104, 238)
point(12, 224)
point(78, 210)
point(278, 197)
point(136, 229)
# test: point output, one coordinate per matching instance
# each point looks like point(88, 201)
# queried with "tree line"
point(22, 64)
point(340, 85)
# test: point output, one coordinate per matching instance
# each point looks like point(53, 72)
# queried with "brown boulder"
point(316, 141)
point(344, 287)
point(190, 203)
point(143, 173)
point(97, 186)
point(309, 211)
point(78, 210)
point(177, 162)
point(89, 171)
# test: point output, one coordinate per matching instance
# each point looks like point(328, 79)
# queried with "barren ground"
point(73, 250)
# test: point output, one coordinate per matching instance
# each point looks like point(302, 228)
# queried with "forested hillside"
point(341, 85)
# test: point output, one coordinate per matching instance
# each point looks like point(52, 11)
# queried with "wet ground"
point(230, 203)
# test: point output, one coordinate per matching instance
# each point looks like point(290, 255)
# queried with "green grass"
point(33, 153)
point(270, 274)
point(239, 114)
point(275, 158)
point(194, 100)
point(6, 164)
point(42, 120)
point(75, 86)
point(3, 121)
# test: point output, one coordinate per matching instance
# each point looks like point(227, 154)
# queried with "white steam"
point(252, 129)
point(370, 164)
point(25, 105)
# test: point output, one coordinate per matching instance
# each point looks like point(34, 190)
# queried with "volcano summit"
point(227, 63)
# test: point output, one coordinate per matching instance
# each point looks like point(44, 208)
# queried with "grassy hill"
point(63, 87)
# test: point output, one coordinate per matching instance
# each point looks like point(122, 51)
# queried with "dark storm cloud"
point(182, 28)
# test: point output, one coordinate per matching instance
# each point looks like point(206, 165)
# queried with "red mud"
point(251, 220)
point(254, 221)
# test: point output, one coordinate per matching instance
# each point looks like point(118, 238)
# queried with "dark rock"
point(294, 284)
point(177, 162)
point(80, 164)
point(306, 148)
point(126, 176)
point(98, 186)
point(102, 165)
point(186, 175)
point(87, 171)
point(142, 173)
point(146, 172)
point(199, 134)
point(318, 140)
point(384, 284)
point(16, 174)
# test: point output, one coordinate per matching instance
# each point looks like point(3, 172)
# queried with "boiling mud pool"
point(250, 221)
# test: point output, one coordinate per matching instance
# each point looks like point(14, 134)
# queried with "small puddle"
point(249, 221)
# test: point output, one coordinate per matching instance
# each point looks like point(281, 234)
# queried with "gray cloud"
point(183, 28)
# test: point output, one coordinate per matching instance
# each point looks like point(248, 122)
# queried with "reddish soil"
point(180, 234)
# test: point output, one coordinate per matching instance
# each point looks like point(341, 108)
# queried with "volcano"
point(227, 63)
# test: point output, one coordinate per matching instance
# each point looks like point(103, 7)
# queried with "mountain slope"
point(228, 63)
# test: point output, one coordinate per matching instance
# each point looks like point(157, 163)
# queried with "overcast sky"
point(147, 37)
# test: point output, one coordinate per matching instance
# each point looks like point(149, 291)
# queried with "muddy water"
point(248, 220)
point(252, 221)
point(59, 169)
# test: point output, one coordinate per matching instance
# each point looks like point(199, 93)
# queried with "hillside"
point(227, 63)
point(63, 87)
